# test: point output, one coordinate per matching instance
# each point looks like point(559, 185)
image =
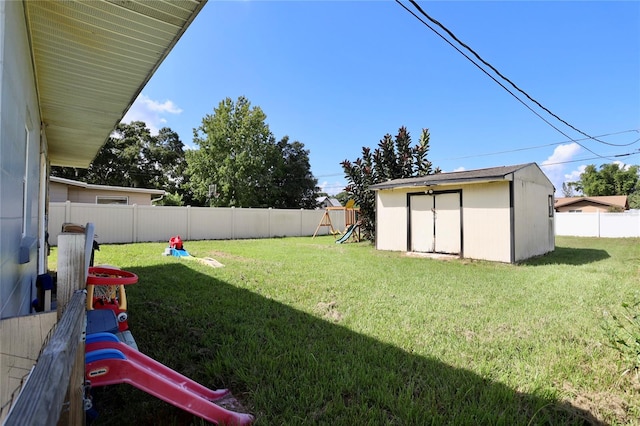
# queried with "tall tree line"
point(238, 162)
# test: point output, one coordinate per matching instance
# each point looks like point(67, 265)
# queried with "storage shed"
point(502, 214)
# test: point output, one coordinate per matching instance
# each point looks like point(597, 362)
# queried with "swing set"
point(350, 220)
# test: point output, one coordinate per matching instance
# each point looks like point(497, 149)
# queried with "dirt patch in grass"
point(605, 406)
point(329, 311)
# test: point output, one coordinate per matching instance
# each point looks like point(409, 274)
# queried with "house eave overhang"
point(91, 61)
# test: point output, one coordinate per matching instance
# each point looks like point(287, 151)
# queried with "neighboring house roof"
point(606, 201)
point(105, 187)
point(467, 176)
point(329, 201)
point(91, 60)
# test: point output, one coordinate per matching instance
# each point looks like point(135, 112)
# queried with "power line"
point(489, 75)
point(543, 146)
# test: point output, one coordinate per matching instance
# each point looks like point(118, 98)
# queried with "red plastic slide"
point(109, 362)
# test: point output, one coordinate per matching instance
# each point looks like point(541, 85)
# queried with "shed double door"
point(435, 223)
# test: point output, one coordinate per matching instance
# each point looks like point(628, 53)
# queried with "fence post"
point(233, 222)
point(301, 222)
point(134, 225)
point(188, 223)
point(67, 211)
point(269, 227)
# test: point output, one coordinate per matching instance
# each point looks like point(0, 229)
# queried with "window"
point(117, 199)
point(550, 202)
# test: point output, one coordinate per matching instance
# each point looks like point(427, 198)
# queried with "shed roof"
point(72, 182)
point(467, 176)
point(91, 60)
point(608, 201)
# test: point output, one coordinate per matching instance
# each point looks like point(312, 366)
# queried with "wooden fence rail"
point(43, 394)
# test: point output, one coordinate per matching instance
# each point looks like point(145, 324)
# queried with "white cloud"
point(152, 112)
point(332, 188)
point(574, 175)
point(459, 169)
point(554, 166)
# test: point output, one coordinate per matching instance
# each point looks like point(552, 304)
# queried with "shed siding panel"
point(534, 231)
point(486, 221)
point(391, 220)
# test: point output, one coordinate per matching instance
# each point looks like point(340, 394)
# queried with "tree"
point(293, 185)
point(239, 157)
point(132, 157)
point(567, 189)
point(611, 179)
point(393, 159)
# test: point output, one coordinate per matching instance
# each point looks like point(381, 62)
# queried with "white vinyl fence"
point(131, 224)
point(609, 225)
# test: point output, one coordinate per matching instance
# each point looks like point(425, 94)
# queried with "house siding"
point(18, 111)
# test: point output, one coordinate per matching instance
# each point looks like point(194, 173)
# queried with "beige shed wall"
point(534, 232)
point(486, 221)
point(391, 219)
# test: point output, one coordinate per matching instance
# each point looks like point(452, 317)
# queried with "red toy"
point(105, 290)
point(176, 243)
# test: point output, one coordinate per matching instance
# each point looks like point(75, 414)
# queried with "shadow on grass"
point(568, 256)
point(291, 368)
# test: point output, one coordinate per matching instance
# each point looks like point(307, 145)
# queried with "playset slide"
point(347, 234)
point(108, 362)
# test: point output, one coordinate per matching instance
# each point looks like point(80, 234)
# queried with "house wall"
point(585, 206)
point(19, 158)
point(86, 195)
point(534, 232)
point(58, 192)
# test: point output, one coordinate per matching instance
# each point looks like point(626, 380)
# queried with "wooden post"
point(74, 256)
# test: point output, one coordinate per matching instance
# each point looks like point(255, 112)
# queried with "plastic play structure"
point(350, 219)
point(105, 290)
point(110, 360)
point(349, 233)
point(176, 248)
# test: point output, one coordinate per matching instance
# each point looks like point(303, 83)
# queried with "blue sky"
point(338, 75)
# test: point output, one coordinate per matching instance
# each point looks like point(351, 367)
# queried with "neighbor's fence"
point(610, 225)
point(131, 224)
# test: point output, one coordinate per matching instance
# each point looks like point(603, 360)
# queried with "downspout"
point(154, 200)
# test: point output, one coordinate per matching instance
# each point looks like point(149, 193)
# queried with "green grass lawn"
point(305, 331)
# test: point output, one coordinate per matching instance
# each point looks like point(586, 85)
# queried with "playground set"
point(352, 224)
point(112, 357)
point(176, 248)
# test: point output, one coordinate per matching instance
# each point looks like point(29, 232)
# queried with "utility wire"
point(452, 35)
point(542, 146)
point(496, 81)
